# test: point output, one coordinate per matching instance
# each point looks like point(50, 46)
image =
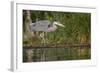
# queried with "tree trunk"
point(28, 34)
point(28, 21)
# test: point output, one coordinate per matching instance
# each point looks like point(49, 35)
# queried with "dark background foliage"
point(77, 26)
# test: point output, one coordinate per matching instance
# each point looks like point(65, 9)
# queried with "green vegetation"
point(77, 26)
point(77, 31)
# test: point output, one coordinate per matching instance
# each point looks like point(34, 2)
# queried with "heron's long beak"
point(60, 25)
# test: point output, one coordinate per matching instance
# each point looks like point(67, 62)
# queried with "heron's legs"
point(43, 38)
point(43, 35)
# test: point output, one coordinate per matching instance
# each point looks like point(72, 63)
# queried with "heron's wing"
point(43, 22)
point(42, 25)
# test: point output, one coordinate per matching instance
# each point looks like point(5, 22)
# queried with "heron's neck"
point(54, 26)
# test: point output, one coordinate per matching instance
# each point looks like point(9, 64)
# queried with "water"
point(55, 54)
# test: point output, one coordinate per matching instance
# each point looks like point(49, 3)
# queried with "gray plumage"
point(42, 25)
point(45, 26)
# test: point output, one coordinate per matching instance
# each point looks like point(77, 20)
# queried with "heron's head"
point(58, 23)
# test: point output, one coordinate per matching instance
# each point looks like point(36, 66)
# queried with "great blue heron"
point(44, 26)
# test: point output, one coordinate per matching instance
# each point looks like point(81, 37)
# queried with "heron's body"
point(43, 25)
